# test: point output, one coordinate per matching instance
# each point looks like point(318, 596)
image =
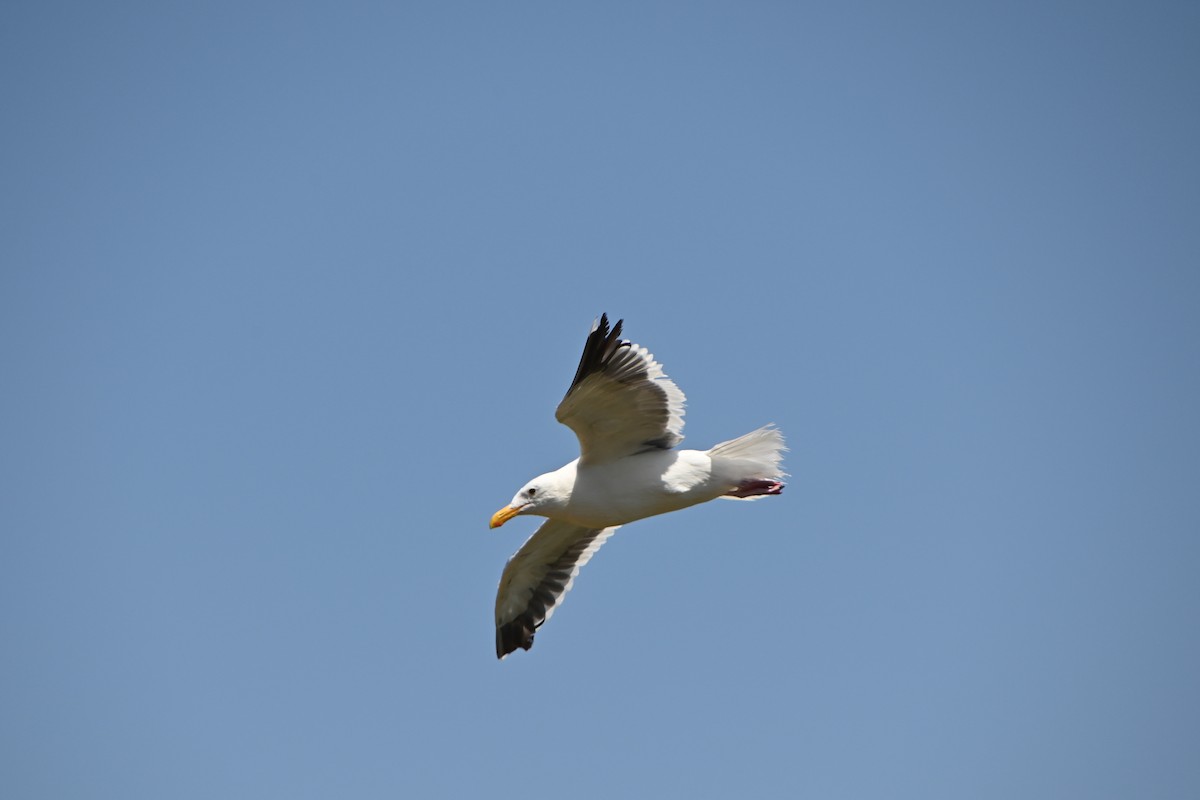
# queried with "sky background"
point(290, 291)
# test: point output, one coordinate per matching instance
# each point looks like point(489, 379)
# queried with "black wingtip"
point(513, 635)
point(599, 347)
point(616, 330)
point(600, 327)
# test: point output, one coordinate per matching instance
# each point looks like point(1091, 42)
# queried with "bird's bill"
point(504, 515)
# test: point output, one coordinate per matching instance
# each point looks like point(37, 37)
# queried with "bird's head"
point(540, 497)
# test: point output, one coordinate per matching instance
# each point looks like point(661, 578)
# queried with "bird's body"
point(643, 485)
point(628, 416)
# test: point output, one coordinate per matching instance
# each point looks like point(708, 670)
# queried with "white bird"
point(628, 415)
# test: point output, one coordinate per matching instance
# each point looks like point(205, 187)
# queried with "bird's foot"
point(756, 487)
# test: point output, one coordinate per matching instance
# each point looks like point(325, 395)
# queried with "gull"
point(628, 417)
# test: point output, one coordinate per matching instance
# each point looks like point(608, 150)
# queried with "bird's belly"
point(613, 513)
point(621, 493)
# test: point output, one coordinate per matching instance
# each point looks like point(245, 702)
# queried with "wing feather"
point(620, 402)
point(537, 577)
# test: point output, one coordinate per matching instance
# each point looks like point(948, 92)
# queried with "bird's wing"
point(537, 578)
point(621, 402)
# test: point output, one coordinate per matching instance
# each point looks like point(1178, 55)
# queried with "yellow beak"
point(504, 515)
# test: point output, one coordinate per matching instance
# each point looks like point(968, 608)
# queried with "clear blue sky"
point(289, 293)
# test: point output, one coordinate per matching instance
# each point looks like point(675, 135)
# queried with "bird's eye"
point(532, 492)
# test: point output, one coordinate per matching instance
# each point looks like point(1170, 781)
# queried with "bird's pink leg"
point(755, 487)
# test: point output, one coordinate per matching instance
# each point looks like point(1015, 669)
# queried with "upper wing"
point(537, 577)
point(621, 402)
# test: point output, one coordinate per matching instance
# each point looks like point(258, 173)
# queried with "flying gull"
point(628, 416)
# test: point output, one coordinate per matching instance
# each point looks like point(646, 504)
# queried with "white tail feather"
point(756, 455)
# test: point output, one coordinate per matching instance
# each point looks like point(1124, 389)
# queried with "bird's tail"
point(753, 460)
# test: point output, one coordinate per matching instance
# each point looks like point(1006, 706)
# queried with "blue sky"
point(289, 293)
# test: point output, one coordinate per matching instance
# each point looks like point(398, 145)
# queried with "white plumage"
point(628, 415)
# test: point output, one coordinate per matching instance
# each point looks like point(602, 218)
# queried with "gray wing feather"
point(537, 577)
point(620, 402)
